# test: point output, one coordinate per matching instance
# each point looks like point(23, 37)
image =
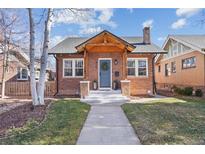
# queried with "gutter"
point(56, 75)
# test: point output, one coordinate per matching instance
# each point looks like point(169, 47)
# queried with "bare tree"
point(44, 57)
point(8, 22)
point(32, 59)
point(46, 15)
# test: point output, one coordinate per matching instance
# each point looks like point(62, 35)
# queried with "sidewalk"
point(107, 125)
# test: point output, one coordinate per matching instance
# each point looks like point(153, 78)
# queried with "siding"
point(186, 77)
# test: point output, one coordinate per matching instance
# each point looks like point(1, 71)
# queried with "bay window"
point(137, 67)
point(73, 67)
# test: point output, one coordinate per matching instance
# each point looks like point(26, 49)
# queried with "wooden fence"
point(23, 88)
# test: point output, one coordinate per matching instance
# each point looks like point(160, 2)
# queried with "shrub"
point(199, 93)
point(188, 91)
point(178, 90)
point(183, 91)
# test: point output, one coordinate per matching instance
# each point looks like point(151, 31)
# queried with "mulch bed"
point(18, 116)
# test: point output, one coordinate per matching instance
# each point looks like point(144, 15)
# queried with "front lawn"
point(168, 121)
point(62, 125)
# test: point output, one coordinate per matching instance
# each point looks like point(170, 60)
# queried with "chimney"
point(146, 35)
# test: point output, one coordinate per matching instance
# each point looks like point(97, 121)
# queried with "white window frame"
point(21, 73)
point(73, 67)
point(136, 67)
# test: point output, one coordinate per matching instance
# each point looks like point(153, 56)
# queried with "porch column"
point(125, 87)
point(124, 62)
point(84, 88)
point(85, 64)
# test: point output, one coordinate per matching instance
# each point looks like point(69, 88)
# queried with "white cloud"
point(90, 30)
point(161, 38)
point(148, 23)
point(180, 23)
point(89, 18)
point(187, 12)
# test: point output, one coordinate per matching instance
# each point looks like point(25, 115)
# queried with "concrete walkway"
point(107, 125)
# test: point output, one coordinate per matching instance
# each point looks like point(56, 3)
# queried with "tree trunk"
point(44, 58)
point(32, 60)
point(3, 76)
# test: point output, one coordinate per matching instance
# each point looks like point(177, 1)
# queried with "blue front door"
point(105, 73)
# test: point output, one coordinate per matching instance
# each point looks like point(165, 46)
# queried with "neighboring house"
point(18, 67)
point(184, 64)
point(105, 58)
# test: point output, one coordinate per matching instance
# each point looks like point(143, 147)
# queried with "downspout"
point(204, 71)
point(56, 75)
point(153, 75)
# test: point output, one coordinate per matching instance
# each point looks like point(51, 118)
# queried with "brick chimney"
point(146, 35)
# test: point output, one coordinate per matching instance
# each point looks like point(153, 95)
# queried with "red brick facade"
point(71, 86)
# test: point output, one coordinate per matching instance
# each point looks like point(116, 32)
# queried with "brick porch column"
point(84, 88)
point(125, 87)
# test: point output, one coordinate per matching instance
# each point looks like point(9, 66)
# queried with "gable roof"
point(69, 44)
point(106, 32)
point(196, 42)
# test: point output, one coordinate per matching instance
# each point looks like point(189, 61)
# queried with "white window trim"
point(73, 68)
point(21, 74)
point(136, 67)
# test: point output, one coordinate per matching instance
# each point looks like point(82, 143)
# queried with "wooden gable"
point(105, 42)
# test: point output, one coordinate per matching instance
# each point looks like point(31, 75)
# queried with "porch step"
point(112, 97)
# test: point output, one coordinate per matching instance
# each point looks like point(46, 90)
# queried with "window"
point(189, 62)
point(142, 68)
point(174, 48)
point(166, 70)
point(131, 67)
point(73, 67)
point(37, 75)
point(22, 73)
point(173, 67)
point(159, 68)
point(79, 68)
point(137, 67)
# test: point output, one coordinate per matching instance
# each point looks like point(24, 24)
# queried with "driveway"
point(107, 125)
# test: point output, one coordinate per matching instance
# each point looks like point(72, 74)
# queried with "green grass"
point(62, 126)
point(168, 121)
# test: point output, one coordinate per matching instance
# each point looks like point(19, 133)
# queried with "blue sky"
point(129, 22)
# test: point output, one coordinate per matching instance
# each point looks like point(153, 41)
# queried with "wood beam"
point(125, 63)
point(124, 67)
point(85, 64)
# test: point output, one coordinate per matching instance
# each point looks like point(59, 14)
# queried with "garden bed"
point(62, 125)
point(20, 115)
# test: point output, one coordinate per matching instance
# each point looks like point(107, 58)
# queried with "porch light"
point(115, 62)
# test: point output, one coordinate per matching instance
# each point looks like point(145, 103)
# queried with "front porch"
point(105, 97)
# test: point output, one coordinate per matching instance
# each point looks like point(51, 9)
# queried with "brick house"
point(18, 67)
point(184, 63)
point(104, 59)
